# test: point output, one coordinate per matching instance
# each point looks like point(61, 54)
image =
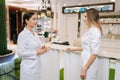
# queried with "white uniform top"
point(90, 44)
point(27, 46)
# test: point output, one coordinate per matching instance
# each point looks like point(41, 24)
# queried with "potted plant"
point(3, 34)
point(5, 54)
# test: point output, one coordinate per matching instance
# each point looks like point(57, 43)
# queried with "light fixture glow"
point(112, 0)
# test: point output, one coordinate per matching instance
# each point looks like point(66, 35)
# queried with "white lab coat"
point(90, 44)
point(27, 46)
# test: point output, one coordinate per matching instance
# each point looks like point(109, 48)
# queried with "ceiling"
point(28, 4)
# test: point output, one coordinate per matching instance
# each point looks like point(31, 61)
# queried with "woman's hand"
point(42, 50)
point(83, 73)
point(74, 49)
point(42, 47)
point(69, 49)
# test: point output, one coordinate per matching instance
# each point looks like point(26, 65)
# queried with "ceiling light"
point(45, 10)
point(112, 0)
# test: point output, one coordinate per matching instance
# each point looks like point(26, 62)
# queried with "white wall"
point(71, 21)
point(67, 23)
point(117, 5)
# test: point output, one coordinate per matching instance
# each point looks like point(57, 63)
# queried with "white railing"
point(117, 69)
point(71, 66)
point(57, 58)
point(51, 63)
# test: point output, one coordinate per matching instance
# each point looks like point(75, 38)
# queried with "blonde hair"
point(93, 18)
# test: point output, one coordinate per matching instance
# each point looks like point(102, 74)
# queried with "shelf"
point(101, 7)
point(110, 23)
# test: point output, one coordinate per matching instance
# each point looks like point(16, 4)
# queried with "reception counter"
point(71, 61)
point(57, 58)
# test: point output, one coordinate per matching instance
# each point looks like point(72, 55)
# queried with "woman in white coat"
point(29, 49)
point(90, 45)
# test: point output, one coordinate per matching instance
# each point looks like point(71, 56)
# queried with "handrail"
point(102, 53)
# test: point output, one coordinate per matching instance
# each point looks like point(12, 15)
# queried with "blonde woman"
point(90, 45)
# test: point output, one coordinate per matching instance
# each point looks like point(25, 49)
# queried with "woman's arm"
point(87, 65)
point(42, 50)
point(90, 61)
point(74, 49)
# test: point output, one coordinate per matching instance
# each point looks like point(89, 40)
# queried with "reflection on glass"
point(82, 8)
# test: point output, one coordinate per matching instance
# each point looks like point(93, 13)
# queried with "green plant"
point(3, 35)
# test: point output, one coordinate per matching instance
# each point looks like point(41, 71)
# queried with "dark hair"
point(93, 18)
point(27, 16)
